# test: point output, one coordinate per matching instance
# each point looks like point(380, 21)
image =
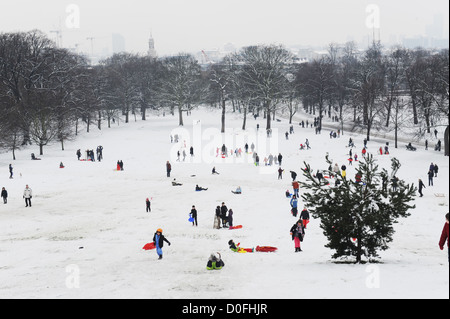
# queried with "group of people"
point(27, 195)
point(90, 156)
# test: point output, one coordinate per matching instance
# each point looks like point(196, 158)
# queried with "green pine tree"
point(358, 218)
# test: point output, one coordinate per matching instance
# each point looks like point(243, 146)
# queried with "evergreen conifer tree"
point(358, 218)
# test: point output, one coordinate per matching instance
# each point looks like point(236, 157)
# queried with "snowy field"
point(84, 234)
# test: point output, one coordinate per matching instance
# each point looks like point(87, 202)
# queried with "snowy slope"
point(88, 221)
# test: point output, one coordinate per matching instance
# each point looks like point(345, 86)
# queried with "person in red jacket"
point(444, 237)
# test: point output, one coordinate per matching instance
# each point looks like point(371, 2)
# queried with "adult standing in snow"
point(194, 216)
point(10, 171)
point(4, 195)
point(168, 168)
point(147, 204)
point(280, 159)
point(159, 240)
point(230, 218)
point(28, 195)
point(421, 187)
point(444, 238)
point(217, 218)
point(297, 233)
point(223, 214)
point(430, 177)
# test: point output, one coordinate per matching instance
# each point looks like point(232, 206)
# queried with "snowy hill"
point(84, 234)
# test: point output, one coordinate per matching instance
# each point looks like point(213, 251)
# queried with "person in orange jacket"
point(444, 237)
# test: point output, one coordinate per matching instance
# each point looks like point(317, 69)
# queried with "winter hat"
point(159, 230)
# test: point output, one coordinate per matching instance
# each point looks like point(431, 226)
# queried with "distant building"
point(118, 43)
point(151, 47)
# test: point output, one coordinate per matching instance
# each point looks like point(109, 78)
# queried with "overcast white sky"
point(193, 25)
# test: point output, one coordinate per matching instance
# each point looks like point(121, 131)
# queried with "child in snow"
point(294, 204)
point(305, 217)
point(238, 249)
point(238, 190)
point(199, 189)
point(215, 263)
point(297, 233)
point(159, 240)
point(175, 183)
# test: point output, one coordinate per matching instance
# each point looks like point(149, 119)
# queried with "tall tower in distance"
point(151, 47)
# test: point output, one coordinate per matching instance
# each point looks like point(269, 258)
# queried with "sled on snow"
point(235, 227)
point(266, 249)
point(149, 246)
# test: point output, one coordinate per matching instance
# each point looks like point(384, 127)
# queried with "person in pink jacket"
point(444, 237)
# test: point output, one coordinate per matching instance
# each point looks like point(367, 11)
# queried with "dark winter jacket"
point(162, 239)
point(297, 231)
point(444, 237)
point(194, 213)
point(4, 193)
point(304, 214)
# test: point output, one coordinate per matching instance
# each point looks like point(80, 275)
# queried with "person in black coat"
point(223, 214)
point(159, 240)
point(4, 195)
point(194, 216)
point(421, 186)
point(430, 177)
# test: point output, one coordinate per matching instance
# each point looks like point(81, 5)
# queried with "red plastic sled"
point(266, 249)
point(236, 227)
point(149, 246)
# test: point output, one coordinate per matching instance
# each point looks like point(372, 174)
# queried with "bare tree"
point(265, 73)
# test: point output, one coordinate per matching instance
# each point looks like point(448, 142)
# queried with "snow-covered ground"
point(84, 235)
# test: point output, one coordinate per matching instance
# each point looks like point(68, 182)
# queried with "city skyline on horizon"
point(90, 27)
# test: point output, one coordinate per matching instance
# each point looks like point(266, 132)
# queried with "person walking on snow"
point(444, 238)
point(159, 240)
point(297, 233)
point(147, 204)
point(304, 216)
point(28, 195)
point(4, 195)
point(294, 206)
point(421, 186)
point(10, 171)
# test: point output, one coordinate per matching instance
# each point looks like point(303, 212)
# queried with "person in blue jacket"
point(294, 205)
point(159, 240)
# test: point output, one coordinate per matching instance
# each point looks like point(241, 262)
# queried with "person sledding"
point(199, 189)
point(215, 262)
point(158, 240)
point(238, 249)
point(238, 191)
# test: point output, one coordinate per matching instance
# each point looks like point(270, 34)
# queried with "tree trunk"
point(223, 116)
point(180, 114)
point(446, 142)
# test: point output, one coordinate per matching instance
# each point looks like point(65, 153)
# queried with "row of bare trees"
point(45, 91)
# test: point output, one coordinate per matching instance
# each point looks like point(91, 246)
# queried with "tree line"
point(46, 91)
